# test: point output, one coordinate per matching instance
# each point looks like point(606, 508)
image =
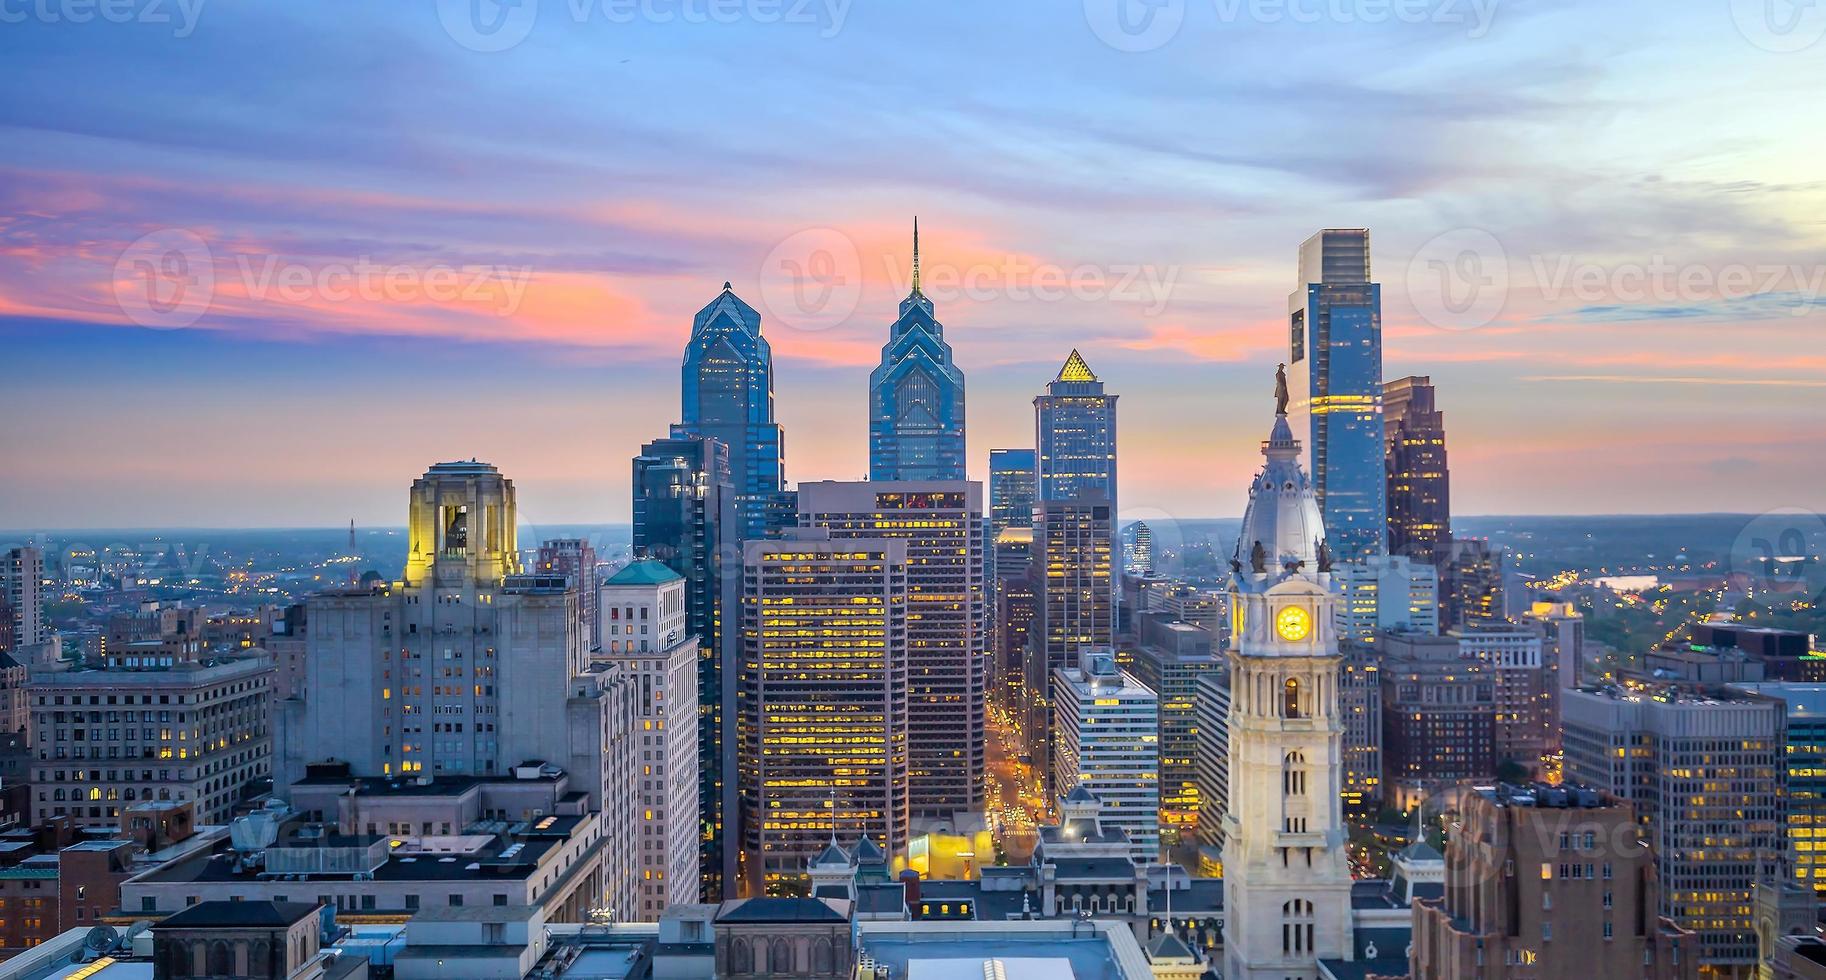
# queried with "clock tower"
point(1286, 878)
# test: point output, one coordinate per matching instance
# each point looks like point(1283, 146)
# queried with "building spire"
point(916, 254)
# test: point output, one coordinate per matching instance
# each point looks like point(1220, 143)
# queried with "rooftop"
point(219, 915)
point(644, 571)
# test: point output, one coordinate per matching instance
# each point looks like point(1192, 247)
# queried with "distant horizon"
point(8, 533)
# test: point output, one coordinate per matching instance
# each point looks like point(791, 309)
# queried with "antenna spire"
point(916, 253)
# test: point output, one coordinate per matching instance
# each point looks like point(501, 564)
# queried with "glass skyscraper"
point(1419, 482)
point(685, 516)
point(1010, 489)
point(1075, 436)
point(727, 390)
point(1334, 370)
point(916, 397)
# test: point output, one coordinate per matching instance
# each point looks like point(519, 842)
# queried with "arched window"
point(741, 958)
point(780, 959)
point(824, 958)
point(1290, 698)
point(1293, 774)
point(1296, 926)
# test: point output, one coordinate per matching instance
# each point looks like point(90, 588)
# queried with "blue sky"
point(1599, 229)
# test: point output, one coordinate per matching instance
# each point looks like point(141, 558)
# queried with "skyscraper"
point(823, 712)
point(1072, 568)
point(916, 396)
point(1011, 490)
point(1107, 743)
point(1169, 661)
point(22, 591)
point(644, 629)
point(1287, 885)
point(1141, 549)
point(1472, 583)
point(1334, 366)
point(685, 515)
point(1419, 484)
point(947, 621)
point(1075, 436)
point(727, 392)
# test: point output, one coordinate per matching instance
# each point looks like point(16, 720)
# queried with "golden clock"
point(1293, 624)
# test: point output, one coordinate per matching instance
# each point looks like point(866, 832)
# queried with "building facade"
point(1169, 661)
point(1334, 367)
point(1108, 743)
point(1524, 691)
point(1419, 482)
point(946, 621)
point(646, 630)
point(1472, 586)
point(1386, 592)
point(823, 704)
point(196, 730)
point(916, 396)
point(22, 593)
point(1546, 881)
point(1075, 436)
point(575, 559)
point(1438, 717)
point(1011, 489)
point(685, 516)
point(1287, 885)
point(1072, 571)
point(727, 392)
point(1704, 770)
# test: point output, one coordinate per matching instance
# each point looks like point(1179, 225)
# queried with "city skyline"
point(1602, 364)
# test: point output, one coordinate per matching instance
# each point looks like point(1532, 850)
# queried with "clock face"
point(1293, 623)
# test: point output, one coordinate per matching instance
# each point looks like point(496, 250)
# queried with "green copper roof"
point(646, 571)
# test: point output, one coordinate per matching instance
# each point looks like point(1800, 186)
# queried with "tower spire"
point(916, 254)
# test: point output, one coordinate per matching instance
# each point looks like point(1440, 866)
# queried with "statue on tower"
point(1280, 390)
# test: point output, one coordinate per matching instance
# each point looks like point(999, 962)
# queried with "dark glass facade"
point(1419, 484)
point(727, 392)
point(1011, 489)
point(916, 398)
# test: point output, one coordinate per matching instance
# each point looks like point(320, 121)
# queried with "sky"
point(262, 264)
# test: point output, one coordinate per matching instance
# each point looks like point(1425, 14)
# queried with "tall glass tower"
point(685, 516)
point(916, 396)
point(1334, 370)
point(1010, 489)
point(728, 393)
point(1075, 436)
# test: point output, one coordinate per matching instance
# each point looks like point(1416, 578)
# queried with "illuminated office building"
point(1438, 716)
point(1360, 706)
point(727, 392)
point(1705, 770)
point(916, 396)
point(1075, 436)
point(1472, 584)
point(1141, 549)
point(575, 559)
point(947, 622)
point(1108, 743)
point(22, 594)
point(1419, 483)
point(1386, 592)
point(1211, 758)
point(1524, 690)
point(1805, 704)
point(1072, 566)
point(1334, 371)
point(822, 713)
point(1169, 661)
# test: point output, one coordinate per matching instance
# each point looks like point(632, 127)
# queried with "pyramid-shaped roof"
point(1167, 946)
point(1075, 369)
